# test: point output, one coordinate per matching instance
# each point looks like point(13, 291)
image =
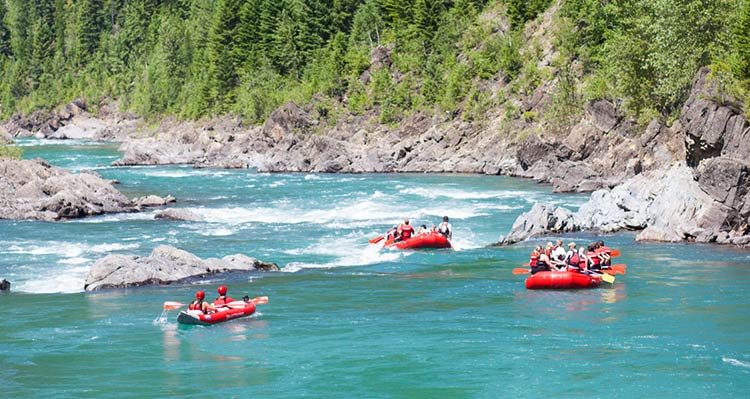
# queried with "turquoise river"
point(351, 320)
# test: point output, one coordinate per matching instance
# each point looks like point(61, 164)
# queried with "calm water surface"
point(350, 320)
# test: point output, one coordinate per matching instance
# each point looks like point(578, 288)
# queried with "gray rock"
point(4, 285)
point(541, 219)
point(604, 115)
point(179, 214)
point(153, 200)
point(712, 129)
point(165, 265)
point(37, 190)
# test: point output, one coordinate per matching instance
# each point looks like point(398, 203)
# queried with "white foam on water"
point(74, 261)
point(168, 173)
point(357, 213)
point(433, 193)
point(312, 177)
point(352, 250)
point(220, 232)
point(71, 268)
point(735, 362)
point(69, 280)
point(117, 217)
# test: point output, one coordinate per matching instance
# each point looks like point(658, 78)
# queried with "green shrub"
point(10, 151)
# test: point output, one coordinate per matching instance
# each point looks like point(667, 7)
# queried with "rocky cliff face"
point(703, 197)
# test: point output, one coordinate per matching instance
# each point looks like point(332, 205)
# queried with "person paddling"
point(604, 253)
point(222, 299)
point(445, 228)
point(405, 231)
point(539, 261)
point(574, 259)
point(593, 260)
point(200, 305)
point(558, 255)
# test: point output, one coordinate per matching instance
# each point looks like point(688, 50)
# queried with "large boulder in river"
point(179, 214)
point(34, 189)
point(165, 265)
point(541, 219)
point(667, 206)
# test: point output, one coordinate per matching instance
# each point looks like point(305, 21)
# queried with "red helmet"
point(200, 295)
point(222, 290)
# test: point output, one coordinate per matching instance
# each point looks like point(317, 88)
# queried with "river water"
point(350, 320)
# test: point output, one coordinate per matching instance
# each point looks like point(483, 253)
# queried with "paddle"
point(453, 245)
point(605, 277)
point(376, 240)
point(261, 300)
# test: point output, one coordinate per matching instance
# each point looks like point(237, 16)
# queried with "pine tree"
point(88, 29)
point(247, 34)
point(742, 41)
point(222, 59)
point(4, 32)
point(42, 50)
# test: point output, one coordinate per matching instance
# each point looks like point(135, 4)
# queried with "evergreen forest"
point(201, 58)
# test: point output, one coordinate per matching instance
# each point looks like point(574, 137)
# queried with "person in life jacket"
point(199, 304)
point(593, 260)
point(405, 231)
point(423, 230)
point(557, 256)
point(222, 299)
point(574, 259)
point(391, 233)
point(445, 228)
point(539, 261)
point(604, 254)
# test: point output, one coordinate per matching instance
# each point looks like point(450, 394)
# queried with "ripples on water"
point(348, 319)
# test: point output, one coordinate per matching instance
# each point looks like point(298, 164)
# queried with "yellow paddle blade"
point(607, 278)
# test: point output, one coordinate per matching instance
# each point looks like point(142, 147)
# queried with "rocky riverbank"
point(34, 189)
point(165, 265)
point(703, 197)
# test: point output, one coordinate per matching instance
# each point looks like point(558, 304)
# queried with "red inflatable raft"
point(562, 280)
point(198, 317)
point(431, 240)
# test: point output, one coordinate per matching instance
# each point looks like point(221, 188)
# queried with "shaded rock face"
point(165, 265)
point(37, 190)
point(712, 129)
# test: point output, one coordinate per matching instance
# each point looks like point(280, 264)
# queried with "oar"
point(170, 305)
point(614, 252)
point(453, 245)
point(605, 277)
point(615, 269)
point(521, 270)
point(261, 300)
point(376, 240)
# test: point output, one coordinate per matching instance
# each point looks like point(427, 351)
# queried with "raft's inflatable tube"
point(198, 317)
point(431, 240)
point(562, 280)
